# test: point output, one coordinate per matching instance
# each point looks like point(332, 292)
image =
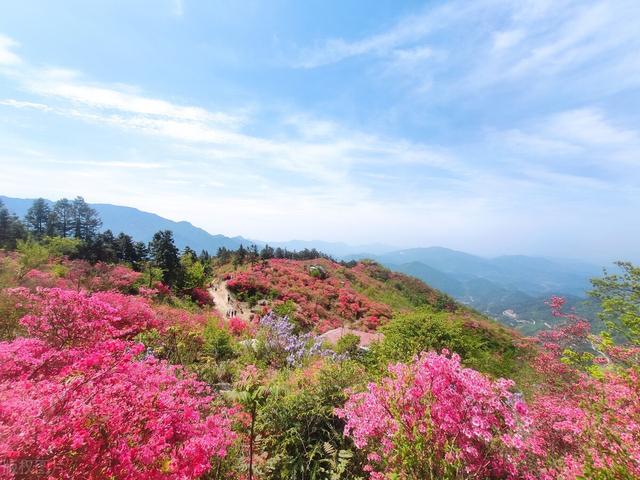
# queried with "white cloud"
point(404, 32)
point(316, 149)
point(114, 99)
point(585, 132)
point(589, 127)
point(537, 39)
point(7, 56)
point(10, 102)
point(507, 39)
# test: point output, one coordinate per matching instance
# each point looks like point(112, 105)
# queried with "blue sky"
point(487, 126)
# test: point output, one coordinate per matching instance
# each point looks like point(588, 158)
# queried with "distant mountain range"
point(509, 288)
point(142, 225)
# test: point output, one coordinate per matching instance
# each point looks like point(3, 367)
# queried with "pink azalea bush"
point(66, 317)
point(201, 297)
point(237, 326)
point(323, 303)
point(435, 419)
point(87, 402)
point(105, 412)
point(586, 413)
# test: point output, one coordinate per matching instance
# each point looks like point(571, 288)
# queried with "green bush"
point(285, 309)
point(408, 334)
point(348, 343)
point(217, 342)
point(300, 435)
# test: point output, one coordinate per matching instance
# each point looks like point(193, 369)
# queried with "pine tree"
point(37, 218)
point(164, 255)
point(62, 214)
point(11, 229)
point(85, 220)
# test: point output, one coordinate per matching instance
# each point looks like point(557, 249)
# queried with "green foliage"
point(285, 309)
point(59, 246)
point(193, 272)
point(217, 342)
point(176, 345)
point(348, 343)
point(444, 303)
point(317, 271)
point(300, 433)
point(425, 329)
point(337, 462)
point(10, 315)
point(208, 354)
point(32, 255)
point(619, 296)
point(151, 274)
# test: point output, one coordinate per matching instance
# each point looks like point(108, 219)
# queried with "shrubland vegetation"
point(114, 363)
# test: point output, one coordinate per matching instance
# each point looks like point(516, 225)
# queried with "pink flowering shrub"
point(586, 415)
point(66, 318)
point(169, 316)
point(323, 303)
point(103, 412)
point(237, 326)
point(201, 297)
point(37, 278)
point(83, 399)
point(434, 419)
point(113, 277)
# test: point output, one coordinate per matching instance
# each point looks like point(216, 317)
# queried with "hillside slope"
point(321, 295)
point(511, 289)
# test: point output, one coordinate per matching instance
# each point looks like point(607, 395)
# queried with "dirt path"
point(226, 302)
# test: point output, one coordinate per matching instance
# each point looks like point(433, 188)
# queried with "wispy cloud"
point(586, 132)
point(404, 33)
point(321, 152)
point(486, 43)
point(7, 54)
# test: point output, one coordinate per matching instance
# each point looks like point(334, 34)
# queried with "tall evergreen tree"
point(141, 255)
point(223, 254)
point(165, 255)
point(11, 229)
point(125, 248)
point(37, 218)
point(190, 252)
point(267, 252)
point(85, 220)
point(63, 215)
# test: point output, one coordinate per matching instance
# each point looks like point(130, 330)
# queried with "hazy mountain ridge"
point(510, 288)
point(142, 225)
point(518, 283)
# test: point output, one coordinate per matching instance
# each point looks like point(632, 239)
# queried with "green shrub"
point(481, 348)
point(285, 309)
point(217, 342)
point(300, 435)
point(348, 343)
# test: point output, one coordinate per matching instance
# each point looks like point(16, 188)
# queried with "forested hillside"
point(138, 224)
point(120, 359)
